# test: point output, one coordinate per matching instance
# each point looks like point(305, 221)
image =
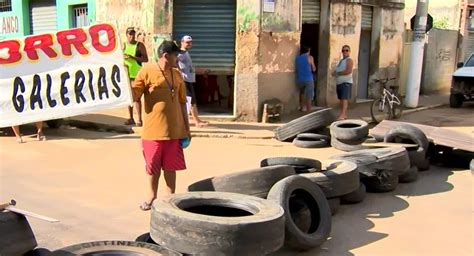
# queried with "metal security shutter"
point(211, 24)
point(42, 16)
point(367, 13)
point(469, 44)
point(311, 11)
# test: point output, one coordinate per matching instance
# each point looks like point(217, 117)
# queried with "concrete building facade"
point(249, 46)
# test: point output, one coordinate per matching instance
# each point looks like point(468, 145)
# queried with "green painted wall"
point(15, 23)
point(64, 12)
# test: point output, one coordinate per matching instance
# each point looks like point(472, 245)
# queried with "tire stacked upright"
point(418, 156)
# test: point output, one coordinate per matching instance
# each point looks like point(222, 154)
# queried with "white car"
point(462, 86)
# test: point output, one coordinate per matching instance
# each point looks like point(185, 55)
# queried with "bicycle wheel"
point(380, 111)
point(397, 109)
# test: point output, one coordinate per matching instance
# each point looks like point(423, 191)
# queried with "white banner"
point(68, 73)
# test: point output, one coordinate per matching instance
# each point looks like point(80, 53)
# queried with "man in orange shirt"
point(166, 118)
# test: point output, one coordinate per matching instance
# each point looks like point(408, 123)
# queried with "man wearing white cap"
point(189, 75)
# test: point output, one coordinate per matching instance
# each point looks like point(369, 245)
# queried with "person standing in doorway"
point(185, 64)
point(344, 80)
point(304, 78)
point(166, 119)
point(135, 55)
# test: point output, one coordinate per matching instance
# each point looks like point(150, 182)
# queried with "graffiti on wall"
point(391, 24)
point(247, 18)
point(9, 25)
point(274, 22)
point(443, 55)
point(344, 19)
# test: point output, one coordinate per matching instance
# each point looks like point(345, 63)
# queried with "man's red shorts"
point(166, 155)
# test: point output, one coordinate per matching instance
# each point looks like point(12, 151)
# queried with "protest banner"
point(62, 74)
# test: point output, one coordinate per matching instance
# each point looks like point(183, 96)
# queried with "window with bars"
point(80, 17)
point(5, 5)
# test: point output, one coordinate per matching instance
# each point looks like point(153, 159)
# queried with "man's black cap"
point(168, 47)
point(130, 30)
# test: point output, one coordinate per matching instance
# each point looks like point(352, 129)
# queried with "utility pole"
point(416, 55)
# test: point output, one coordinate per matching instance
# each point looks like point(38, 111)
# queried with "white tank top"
point(341, 66)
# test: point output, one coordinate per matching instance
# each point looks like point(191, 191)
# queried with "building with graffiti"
point(244, 50)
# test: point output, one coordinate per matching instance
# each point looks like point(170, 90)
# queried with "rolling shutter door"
point(42, 16)
point(311, 11)
point(211, 24)
point(367, 13)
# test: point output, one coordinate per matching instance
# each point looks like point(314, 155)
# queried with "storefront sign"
point(9, 25)
point(269, 6)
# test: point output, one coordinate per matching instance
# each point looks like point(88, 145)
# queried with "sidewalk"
point(113, 120)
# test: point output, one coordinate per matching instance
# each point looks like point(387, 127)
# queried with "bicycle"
point(389, 106)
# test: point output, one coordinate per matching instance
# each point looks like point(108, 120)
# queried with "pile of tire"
point(306, 192)
point(380, 169)
point(308, 131)
point(348, 135)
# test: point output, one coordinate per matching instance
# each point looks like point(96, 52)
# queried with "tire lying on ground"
point(370, 160)
point(16, 236)
point(334, 205)
point(347, 145)
point(410, 176)
point(145, 238)
point(302, 189)
point(411, 134)
point(309, 122)
point(300, 164)
point(311, 140)
point(217, 223)
point(115, 248)
point(39, 252)
point(383, 181)
point(336, 179)
point(349, 130)
point(256, 182)
point(355, 197)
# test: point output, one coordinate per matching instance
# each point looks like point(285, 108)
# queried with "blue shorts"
point(307, 88)
point(344, 91)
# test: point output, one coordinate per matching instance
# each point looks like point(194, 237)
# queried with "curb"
point(409, 111)
point(124, 129)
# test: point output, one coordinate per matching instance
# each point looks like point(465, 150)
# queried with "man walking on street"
point(344, 81)
point(135, 54)
point(189, 75)
point(304, 78)
point(166, 119)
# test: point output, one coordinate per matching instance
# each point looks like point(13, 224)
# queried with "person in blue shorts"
point(344, 80)
point(304, 78)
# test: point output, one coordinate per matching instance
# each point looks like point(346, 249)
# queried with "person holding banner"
point(135, 54)
point(39, 135)
point(166, 119)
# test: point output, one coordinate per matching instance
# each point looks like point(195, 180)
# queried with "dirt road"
point(94, 182)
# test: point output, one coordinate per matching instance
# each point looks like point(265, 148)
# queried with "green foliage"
point(442, 23)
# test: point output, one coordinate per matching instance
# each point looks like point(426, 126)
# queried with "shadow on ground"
point(352, 225)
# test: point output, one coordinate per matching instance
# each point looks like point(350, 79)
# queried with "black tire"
point(145, 238)
point(334, 205)
point(410, 176)
point(16, 236)
point(371, 139)
point(351, 130)
point(115, 248)
point(54, 124)
point(384, 181)
point(39, 252)
point(355, 197)
point(211, 223)
point(311, 140)
point(455, 100)
point(347, 146)
point(397, 110)
point(309, 122)
point(406, 133)
point(255, 182)
point(339, 178)
point(418, 159)
point(301, 164)
point(294, 188)
point(380, 112)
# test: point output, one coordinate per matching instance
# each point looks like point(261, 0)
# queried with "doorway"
point(364, 53)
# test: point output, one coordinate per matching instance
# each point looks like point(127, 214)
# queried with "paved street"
point(94, 181)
